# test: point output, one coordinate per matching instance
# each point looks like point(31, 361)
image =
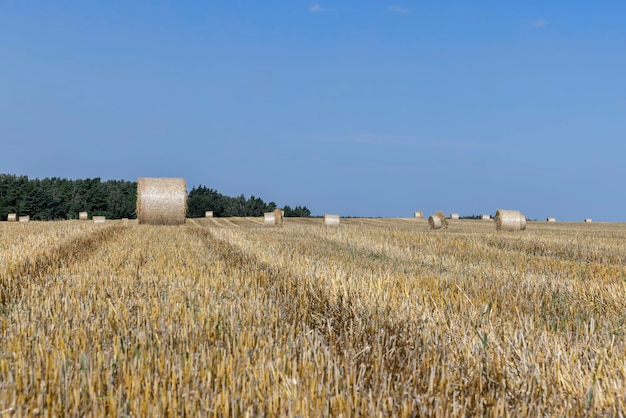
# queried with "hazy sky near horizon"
point(362, 108)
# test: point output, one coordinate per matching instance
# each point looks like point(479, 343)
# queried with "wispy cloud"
point(316, 8)
point(401, 141)
point(398, 9)
point(540, 23)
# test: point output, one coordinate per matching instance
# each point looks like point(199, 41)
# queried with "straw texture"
point(161, 201)
point(510, 220)
point(12, 217)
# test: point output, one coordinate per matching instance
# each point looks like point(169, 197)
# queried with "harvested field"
point(381, 317)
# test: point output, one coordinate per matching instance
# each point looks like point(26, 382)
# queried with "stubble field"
point(376, 317)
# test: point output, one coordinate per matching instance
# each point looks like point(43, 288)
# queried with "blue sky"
point(362, 108)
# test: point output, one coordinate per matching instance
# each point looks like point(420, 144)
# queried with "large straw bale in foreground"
point(438, 221)
point(12, 217)
point(331, 220)
point(161, 201)
point(510, 220)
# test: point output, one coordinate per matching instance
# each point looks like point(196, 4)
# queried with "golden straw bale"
point(278, 217)
point(551, 220)
point(486, 217)
point(510, 220)
point(161, 201)
point(269, 219)
point(98, 219)
point(588, 220)
point(418, 215)
point(208, 214)
point(438, 221)
point(454, 216)
point(331, 220)
point(82, 216)
point(24, 219)
point(12, 217)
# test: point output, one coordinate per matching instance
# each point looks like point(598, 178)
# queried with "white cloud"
point(316, 8)
point(398, 9)
point(540, 23)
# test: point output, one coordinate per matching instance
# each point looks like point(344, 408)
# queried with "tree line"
point(58, 198)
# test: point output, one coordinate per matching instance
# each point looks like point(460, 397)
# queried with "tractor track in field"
point(52, 260)
point(333, 317)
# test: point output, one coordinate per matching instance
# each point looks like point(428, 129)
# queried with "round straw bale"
point(486, 217)
point(331, 220)
point(551, 220)
point(161, 201)
point(588, 220)
point(419, 215)
point(278, 217)
point(208, 214)
point(12, 217)
point(269, 219)
point(82, 216)
point(510, 220)
point(454, 216)
point(99, 219)
point(438, 221)
point(24, 219)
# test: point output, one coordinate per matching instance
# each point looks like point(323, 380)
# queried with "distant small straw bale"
point(99, 219)
point(486, 217)
point(331, 220)
point(278, 217)
point(12, 217)
point(208, 214)
point(418, 215)
point(454, 216)
point(438, 221)
point(588, 220)
point(551, 220)
point(82, 216)
point(24, 219)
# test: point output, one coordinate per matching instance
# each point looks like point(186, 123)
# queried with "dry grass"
point(379, 317)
